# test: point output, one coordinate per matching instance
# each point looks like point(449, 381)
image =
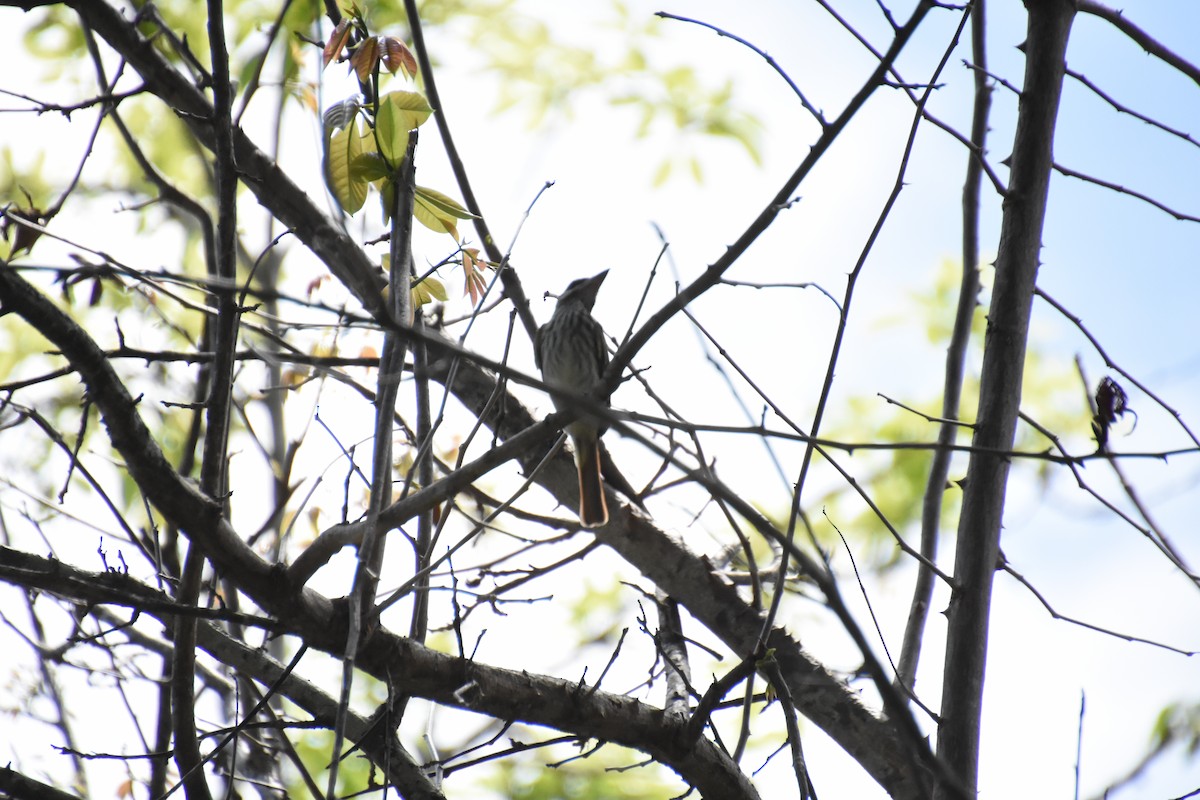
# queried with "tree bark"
point(978, 549)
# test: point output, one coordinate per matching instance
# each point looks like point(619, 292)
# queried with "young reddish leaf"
point(315, 284)
point(337, 41)
point(474, 283)
point(396, 55)
point(365, 58)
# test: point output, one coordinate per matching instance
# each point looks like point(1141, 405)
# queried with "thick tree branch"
point(504, 694)
point(978, 548)
point(509, 696)
point(176, 498)
point(376, 738)
point(21, 787)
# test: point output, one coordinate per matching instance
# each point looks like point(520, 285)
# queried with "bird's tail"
point(593, 510)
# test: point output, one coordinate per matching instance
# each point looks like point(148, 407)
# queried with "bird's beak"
point(592, 287)
point(583, 287)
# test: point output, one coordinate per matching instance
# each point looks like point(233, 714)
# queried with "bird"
point(570, 352)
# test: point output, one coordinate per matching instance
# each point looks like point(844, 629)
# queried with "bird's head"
point(583, 290)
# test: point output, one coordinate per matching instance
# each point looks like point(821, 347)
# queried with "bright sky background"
point(1127, 269)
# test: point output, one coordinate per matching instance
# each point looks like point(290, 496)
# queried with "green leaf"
point(427, 290)
point(368, 166)
point(341, 150)
point(438, 212)
point(444, 204)
point(399, 113)
point(387, 198)
point(412, 107)
point(662, 173)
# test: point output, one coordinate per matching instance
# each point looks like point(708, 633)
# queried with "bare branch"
point(956, 352)
point(977, 553)
point(1145, 40)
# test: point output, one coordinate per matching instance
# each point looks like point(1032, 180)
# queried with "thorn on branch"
point(914, 87)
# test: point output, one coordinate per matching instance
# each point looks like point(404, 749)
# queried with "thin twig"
point(771, 62)
point(1091, 627)
point(1108, 362)
point(1145, 40)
